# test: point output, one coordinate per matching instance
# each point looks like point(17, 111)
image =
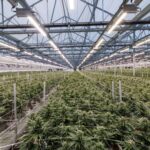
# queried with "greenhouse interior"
point(74, 74)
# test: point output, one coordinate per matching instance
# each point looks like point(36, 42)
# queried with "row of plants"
point(139, 72)
point(81, 115)
point(13, 76)
point(132, 87)
point(29, 92)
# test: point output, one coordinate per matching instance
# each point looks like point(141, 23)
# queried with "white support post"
point(44, 91)
point(114, 71)
point(114, 68)
point(113, 90)
point(3, 78)
point(15, 111)
point(120, 91)
point(121, 70)
point(18, 74)
point(133, 56)
point(133, 64)
point(27, 76)
point(46, 75)
point(64, 75)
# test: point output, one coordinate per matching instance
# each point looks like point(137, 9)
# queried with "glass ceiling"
point(73, 31)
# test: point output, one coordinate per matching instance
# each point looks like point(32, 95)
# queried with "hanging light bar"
point(128, 56)
point(71, 4)
point(23, 12)
point(142, 42)
point(60, 52)
point(112, 55)
point(92, 51)
point(138, 54)
point(99, 43)
point(36, 25)
point(124, 49)
point(119, 20)
point(9, 46)
point(53, 45)
point(28, 53)
point(39, 57)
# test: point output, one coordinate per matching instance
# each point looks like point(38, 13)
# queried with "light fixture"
point(141, 42)
point(9, 46)
point(28, 53)
point(138, 54)
point(124, 49)
point(131, 8)
point(71, 4)
point(39, 57)
point(60, 52)
point(53, 45)
point(92, 51)
point(128, 56)
point(98, 43)
point(117, 22)
point(112, 55)
point(37, 25)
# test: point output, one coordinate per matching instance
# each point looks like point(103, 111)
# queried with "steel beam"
point(139, 16)
point(79, 24)
point(73, 30)
point(25, 5)
point(136, 18)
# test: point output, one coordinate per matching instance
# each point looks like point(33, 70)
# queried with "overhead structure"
point(75, 34)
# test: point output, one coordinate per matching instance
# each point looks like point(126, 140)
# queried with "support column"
point(120, 91)
point(133, 55)
point(15, 111)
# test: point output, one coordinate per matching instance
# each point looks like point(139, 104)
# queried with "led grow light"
point(99, 43)
point(36, 25)
point(92, 51)
point(71, 4)
point(142, 42)
point(112, 55)
point(9, 46)
point(53, 45)
point(117, 22)
point(39, 57)
point(138, 54)
point(28, 53)
point(124, 49)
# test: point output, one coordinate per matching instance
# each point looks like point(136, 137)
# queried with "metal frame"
point(71, 35)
